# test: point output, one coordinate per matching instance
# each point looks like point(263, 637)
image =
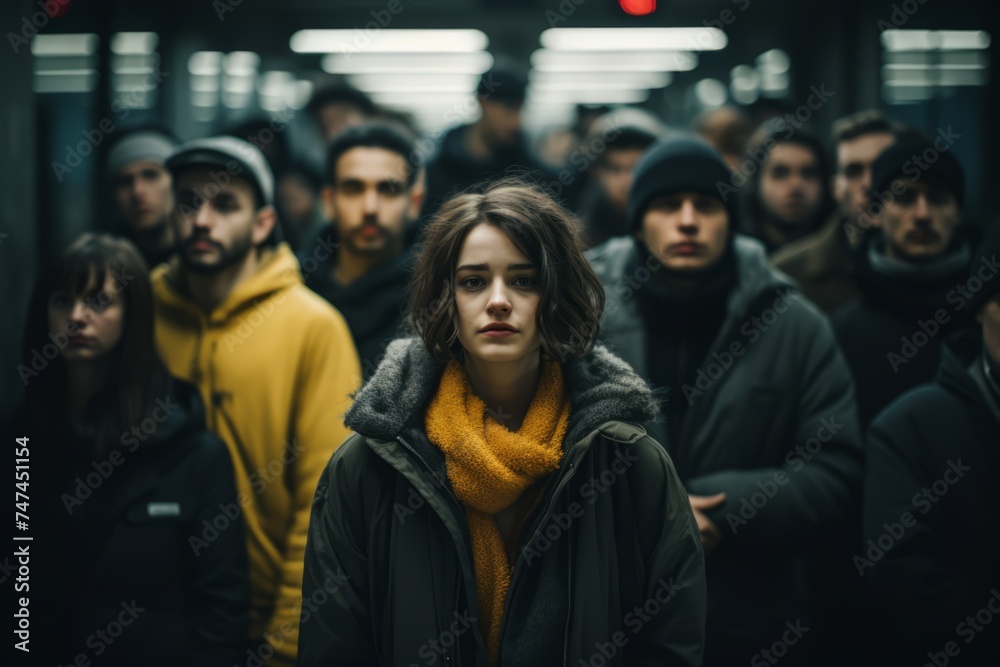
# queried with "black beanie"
point(985, 269)
point(676, 165)
point(915, 156)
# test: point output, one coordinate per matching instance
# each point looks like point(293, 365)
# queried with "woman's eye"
point(472, 282)
point(525, 281)
point(60, 300)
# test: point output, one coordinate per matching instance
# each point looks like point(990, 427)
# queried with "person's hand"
point(710, 533)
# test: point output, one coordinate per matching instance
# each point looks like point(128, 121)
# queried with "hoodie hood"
point(278, 269)
point(600, 385)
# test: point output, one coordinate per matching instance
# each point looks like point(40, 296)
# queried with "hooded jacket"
point(771, 422)
point(609, 562)
point(112, 544)
point(931, 551)
point(275, 365)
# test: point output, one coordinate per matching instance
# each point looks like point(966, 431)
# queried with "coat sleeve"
point(816, 484)
point(919, 583)
point(329, 372)
point(339, 631)
point(675, 569)
point(219, 600)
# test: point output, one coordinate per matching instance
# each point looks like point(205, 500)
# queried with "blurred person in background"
point(123, 473)
point(931, 551)
point(787, 189)
point(371, 196)
point(274, 362)
point(298, 202)
point(337, 107)
point(624, 134)
point(491, 146)
point(142, 189)
point(750, 375)
point(465, 505)
point(821, 262)
point(910, 272)
point(727, 130)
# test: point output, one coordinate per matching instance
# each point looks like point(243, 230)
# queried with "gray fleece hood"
point(600, 385)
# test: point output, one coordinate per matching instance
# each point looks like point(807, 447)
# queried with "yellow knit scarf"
point(489, 467)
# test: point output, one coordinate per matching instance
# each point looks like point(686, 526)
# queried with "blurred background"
point(77, 72)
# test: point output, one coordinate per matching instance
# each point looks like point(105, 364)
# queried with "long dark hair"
point(572, 300)
point(136, 375)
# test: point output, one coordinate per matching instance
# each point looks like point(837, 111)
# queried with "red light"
point(638, 7)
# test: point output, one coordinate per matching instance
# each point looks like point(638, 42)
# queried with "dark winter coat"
point(892, 334)
point(389, 562)
point(373, 305)
point(931, 552)
point(772, 423)
point(821, 265)
point(126, 571)
point(453, 169)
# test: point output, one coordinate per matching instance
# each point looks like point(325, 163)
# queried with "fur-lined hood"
point(601, 387)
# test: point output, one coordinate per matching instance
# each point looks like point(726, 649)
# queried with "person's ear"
point(267, 218)
point(418, 191)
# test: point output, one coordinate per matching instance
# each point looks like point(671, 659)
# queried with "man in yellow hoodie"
point(274, 362)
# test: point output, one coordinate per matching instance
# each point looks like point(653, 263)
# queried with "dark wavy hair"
point(572, 297)
point(136, 375)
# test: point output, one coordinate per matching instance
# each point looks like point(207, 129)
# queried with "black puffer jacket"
point(120, 574)
point(931, 552)
point(611, 553)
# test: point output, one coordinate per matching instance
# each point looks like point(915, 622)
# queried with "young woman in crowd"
point(499, 502)
point(138, 540)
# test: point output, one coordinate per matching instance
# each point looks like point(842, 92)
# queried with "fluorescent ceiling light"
point(377, 83)
point(134, 43)
point(634, 79)
point(416, 63)
point(242, 63)
point(425, 99)
point(545, 60)
point(774, 61)
point(357, 41)
point(929, 40)
point(634, 39)
point(80, 44)
point(603, 96)
point(710, 92)
point(206, 63)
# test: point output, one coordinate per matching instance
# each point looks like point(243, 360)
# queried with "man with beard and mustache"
point(909, 272)
point(142, 190)
point(275, 365)
point(820, 262)
point(372, 194)
point(787, 196)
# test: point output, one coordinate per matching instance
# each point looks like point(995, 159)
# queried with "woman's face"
point(87, 326)
point(497, 296)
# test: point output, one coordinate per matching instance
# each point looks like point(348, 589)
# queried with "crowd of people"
point(717, 395)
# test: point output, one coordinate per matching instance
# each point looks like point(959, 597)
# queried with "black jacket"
point(374, 305)
point(890, 335)
point(770, 420)
point(931, 552)
point(116, 539)
point(453, 169)
point(389, 563)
